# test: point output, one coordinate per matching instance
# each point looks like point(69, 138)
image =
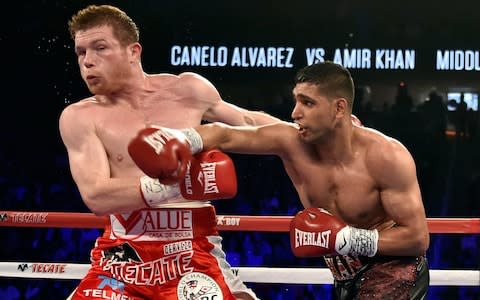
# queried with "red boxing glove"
point(210, 176)
point(315, 232)
point(161, 153)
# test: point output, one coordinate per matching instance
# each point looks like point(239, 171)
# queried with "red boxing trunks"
point(172, 253)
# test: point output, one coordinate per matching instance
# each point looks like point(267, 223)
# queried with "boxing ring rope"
point(247, 274)
point(227, 223)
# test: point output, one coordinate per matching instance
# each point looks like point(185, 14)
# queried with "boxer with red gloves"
point(374, 236)
point(315, 232)
point(210, 175)
point(162, 153)
point(165, 155)
point(156, 242)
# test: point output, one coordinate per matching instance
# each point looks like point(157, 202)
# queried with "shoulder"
point(82, 107)
point(196, 82)
point(281, 127)
point(289, 127)
point(286, 137)
point(386, 157)
point(285, 133)
point(192, 77)
point(382, 148)
point(79, 106)
point(78, 116)
point(199, 88)
point(190, 84)
point(185, 78)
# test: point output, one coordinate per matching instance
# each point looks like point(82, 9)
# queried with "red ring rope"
point(224, 222)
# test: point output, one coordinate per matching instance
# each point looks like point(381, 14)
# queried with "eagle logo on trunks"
point(196, 286)
point(3, 217)
point(120, 253)
point(153, 225)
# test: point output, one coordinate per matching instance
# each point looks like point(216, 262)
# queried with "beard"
point(320, 136)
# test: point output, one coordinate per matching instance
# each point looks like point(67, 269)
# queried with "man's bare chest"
point(347, 191)
point(117, 127)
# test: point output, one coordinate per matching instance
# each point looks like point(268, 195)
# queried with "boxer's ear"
point(134, 51)
point(341, 106)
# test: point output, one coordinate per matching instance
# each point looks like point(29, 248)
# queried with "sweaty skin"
point(358, 174)
point(97, 130)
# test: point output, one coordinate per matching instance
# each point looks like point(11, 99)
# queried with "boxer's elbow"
point(94, 205)
point(249, 121)
point(95, 201)
point(424, 242)
point(421, 242)
point(215, 135)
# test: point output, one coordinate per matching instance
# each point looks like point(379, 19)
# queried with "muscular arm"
point(268, 139)
point(400, 195)
point(231, 114)
point(90, 168)
point(218, 110)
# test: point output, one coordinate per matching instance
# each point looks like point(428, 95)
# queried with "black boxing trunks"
point(167, 253)
point(379, 277)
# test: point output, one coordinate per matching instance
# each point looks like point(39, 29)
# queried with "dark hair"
point(124, 29)
point(333, 80)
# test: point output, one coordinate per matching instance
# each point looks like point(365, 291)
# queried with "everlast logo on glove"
point(315, 232)
point(319, 239)
point(158, 139)
point(206, 178)
point(210, 175)
point(207, 175)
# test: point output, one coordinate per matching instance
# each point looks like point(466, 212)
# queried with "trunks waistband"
point(346, 267)
point(163, 224)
